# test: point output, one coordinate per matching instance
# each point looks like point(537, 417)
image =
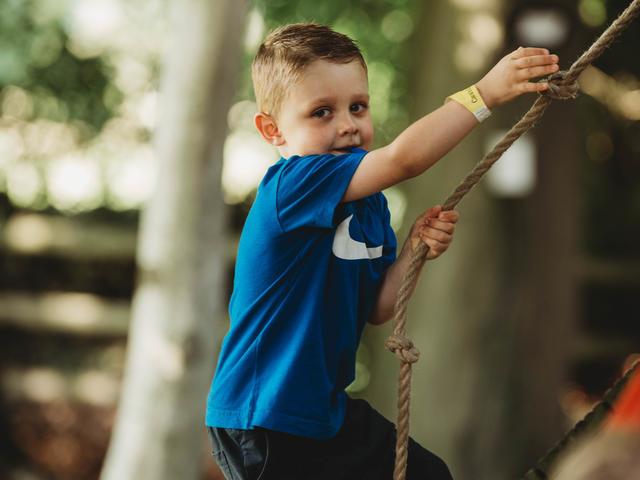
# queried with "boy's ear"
point(268, 128)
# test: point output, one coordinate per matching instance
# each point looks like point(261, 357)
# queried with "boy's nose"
point(347, 126)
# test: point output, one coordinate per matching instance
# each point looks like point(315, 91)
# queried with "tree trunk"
point(493, 316)
point(177, 311)
point(548, 325)
point(453, 316)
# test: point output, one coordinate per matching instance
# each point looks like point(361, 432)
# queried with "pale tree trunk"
point(177, 307)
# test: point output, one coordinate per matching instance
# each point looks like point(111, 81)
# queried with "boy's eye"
point(358, 107)
point(321, 112)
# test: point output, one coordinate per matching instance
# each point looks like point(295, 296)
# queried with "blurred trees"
point(78, 103)
point(496, 316)
point(65, 279)
point(37, 57)
point(457, 314)
point(78, 93)
point(179, 298)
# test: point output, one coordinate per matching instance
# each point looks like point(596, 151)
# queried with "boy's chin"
point(342, 151)
point(333, 151)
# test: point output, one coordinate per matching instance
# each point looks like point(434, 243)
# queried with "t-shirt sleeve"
point(311, 187)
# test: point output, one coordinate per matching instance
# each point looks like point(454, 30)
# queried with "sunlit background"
point(79, 85)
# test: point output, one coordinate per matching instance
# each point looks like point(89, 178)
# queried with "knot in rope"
point(558, 89)
point(402, 347)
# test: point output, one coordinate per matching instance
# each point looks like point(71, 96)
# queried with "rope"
point(562, 86)
point(588, 424)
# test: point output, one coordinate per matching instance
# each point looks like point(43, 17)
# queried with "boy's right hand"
point(435, 228)
point(510, 76)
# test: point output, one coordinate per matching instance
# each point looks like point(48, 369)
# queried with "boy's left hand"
point(510, 77)
point(435, 228)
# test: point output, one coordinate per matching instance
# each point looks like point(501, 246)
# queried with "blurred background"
point(522, 325)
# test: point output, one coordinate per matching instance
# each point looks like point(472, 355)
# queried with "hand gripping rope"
point(562, 86)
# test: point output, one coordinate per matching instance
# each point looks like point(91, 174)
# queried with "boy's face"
point(326, 111)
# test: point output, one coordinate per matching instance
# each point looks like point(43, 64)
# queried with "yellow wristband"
point(470, 99)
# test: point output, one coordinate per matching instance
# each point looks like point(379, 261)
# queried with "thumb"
point(434, 211)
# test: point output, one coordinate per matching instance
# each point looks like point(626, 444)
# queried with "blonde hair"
point(286, 51)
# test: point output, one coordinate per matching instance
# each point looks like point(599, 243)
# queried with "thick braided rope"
point(589, 423)
point(562, 85)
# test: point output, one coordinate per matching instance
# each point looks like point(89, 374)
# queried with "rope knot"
point(402, 348)
point(559, 89)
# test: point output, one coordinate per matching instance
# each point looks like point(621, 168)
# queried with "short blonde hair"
point(286, 51)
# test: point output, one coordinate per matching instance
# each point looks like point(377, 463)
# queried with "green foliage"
point(35, 56)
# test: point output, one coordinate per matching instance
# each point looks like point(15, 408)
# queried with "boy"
point(316, 260)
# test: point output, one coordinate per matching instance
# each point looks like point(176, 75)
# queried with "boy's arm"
point(435, 228)
point(430, 138)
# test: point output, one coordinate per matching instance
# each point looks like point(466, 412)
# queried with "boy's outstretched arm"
point(435, 228)
point(427, 140)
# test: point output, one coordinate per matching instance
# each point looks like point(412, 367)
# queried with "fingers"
point(437, 212)
point(536, 60)
point(532, 63)
point(442, 225)
point(534, 72)
point(435, 228)
point(434, 211)
point(532, 87)
point(438, 217)
point(429, 233)
point(435, 248)
point(527, 51)
point(536, 66)
point(449, 216)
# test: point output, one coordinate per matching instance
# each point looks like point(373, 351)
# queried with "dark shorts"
point(363, 449)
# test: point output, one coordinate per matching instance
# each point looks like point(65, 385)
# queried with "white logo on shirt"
point(347, 248)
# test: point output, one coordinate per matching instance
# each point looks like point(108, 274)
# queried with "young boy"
point(317, 260)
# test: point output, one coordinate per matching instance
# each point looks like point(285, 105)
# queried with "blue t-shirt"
point(307, 276)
